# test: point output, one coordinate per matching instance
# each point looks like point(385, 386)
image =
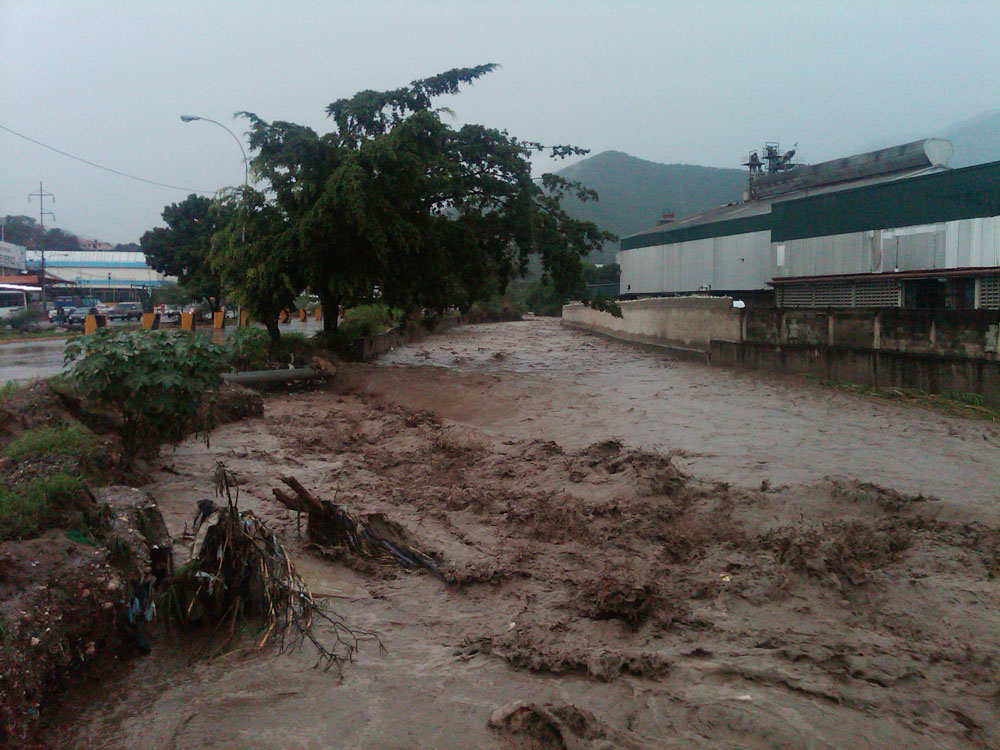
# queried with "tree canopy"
point(395, 203)
point(25, 231)
point(182, 248)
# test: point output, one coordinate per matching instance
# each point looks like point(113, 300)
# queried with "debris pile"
point(240, 572)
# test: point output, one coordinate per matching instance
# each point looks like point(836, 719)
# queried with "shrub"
point(248, 348)
point(494, 310)
point(63, 440)
point(366, 320)
point(156, 380)
point(25, 320)
point(28, 509)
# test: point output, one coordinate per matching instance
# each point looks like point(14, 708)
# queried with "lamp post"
point(246, 163)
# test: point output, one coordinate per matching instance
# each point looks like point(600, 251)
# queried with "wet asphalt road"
point(25, 361)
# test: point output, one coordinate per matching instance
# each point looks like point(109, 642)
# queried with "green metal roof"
point(955, 194)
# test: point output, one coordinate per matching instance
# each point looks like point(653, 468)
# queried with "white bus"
point(14, 298)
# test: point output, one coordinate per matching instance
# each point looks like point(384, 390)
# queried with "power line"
point(106, 169)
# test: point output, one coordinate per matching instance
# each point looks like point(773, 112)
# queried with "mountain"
point(635, 192)
point(976, 140)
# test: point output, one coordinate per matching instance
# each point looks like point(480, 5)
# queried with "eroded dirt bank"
point(622, 601)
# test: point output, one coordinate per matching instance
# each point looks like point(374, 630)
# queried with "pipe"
point(252, 377)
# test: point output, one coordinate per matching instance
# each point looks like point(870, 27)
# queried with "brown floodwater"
point(738, 427)
point(755, 659)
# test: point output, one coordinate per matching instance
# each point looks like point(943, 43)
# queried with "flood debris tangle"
point(332, 528)
point(239, 571)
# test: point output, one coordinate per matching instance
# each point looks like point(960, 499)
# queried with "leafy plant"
point(248, 348)
point(157, 380)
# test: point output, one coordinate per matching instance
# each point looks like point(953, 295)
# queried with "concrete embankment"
point(935, 351)
point(683, 325)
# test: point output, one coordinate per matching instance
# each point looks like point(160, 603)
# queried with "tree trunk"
point(274, 331)
point(331, 311)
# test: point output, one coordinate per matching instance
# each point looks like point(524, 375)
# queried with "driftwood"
point(368, 535)
point(239, 571)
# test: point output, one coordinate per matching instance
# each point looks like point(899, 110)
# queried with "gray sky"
point(695, 82)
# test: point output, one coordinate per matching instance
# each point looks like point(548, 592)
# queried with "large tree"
point(182, 248)
point(256, 256)
point(397, 203)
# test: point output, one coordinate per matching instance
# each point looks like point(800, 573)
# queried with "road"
point(25, 361)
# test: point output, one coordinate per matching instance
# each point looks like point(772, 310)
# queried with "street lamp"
point(246, 163)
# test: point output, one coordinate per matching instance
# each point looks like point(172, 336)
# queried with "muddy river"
point(615, 575)
point(744, 428)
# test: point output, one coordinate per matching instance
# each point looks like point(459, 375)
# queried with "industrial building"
point(12, 259)
point(889, 228)
point(105, 274)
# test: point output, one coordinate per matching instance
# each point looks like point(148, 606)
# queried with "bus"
point(14, 298)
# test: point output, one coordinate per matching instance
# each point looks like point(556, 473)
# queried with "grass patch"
point(63, 440)
point(31, 508)
point(7, 389)
point(955, 403)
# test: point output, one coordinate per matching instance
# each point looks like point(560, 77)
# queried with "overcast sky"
point(695, 82)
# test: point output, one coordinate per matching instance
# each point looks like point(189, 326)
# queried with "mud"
point(598, 593)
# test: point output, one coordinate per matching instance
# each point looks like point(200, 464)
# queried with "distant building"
point(12, 259)
point(889, 228)
point(103, 273)
point(93, 245)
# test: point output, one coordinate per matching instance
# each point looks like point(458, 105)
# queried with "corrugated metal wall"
point(749, 261)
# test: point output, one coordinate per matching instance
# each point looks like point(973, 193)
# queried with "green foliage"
point(256, 256)
point(63, 440)
point(247, 348)
point(396, 204)
point(156, 380)
point(493, 310)
point(25, 231)
point(367, 320)
point(28, 509)
point(172, 294)
point(25, 320)
point(541, 298)
point(8, 389)
point(182, 248)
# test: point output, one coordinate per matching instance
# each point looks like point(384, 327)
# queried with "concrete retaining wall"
point(684, 325)
point(368, 347)
point(935, 351)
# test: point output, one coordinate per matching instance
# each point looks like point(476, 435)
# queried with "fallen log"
point(368, 535)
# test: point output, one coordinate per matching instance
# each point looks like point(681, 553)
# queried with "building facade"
point(891, 228)
point(12, 259)
point(103, 273)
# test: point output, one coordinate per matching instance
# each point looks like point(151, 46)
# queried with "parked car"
point(125, 311)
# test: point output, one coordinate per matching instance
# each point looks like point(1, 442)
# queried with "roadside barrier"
point(150, 321)
point(92, 322)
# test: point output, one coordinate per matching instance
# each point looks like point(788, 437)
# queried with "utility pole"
point(42, 195)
